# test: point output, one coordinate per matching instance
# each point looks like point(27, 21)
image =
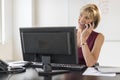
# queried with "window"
point(0, 21)
point(2, 26)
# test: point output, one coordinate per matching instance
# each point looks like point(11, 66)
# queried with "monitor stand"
point(47, 68)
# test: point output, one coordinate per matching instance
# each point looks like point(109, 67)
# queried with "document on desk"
point(108, 69)
point(93, 72)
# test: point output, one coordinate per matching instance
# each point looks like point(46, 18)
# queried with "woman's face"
point(84, 19)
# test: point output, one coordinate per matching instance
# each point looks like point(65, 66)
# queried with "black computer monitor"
point(49, 44)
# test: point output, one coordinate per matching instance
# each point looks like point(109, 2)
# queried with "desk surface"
point(31, 74)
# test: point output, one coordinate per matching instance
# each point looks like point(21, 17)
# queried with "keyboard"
point(73, 67)
point(59, 68)
point(56, 66)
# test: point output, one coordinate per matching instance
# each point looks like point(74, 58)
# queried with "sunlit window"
point(0, 21)
point(2, 26)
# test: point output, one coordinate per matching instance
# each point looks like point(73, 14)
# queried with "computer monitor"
point(49, 44)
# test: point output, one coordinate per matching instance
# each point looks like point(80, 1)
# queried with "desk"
point(31, 74)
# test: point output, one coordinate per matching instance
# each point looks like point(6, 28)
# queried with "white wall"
point(6, 50)
point(22, 17)
point(18, 13)
point(110, 54)
point(52, 13)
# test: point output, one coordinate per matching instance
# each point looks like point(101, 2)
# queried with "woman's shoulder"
point(99, 39)
point(99, 35)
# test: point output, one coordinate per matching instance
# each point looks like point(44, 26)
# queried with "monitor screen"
point(47, 43)
point(59, 43)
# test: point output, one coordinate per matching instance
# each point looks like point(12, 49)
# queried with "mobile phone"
point(90, 24)
point(86, 25)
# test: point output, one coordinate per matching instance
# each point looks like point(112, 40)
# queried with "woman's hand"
point(86, 32)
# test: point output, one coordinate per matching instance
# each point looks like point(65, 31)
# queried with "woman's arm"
point(92, 57)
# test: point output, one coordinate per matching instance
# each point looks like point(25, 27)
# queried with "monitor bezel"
point(64, 59)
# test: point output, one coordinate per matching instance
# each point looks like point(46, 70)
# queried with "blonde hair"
point(93, 12)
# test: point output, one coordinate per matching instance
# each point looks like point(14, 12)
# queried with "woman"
point(89, 42)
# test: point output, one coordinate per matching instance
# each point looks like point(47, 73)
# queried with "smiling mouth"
point(83, 25)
